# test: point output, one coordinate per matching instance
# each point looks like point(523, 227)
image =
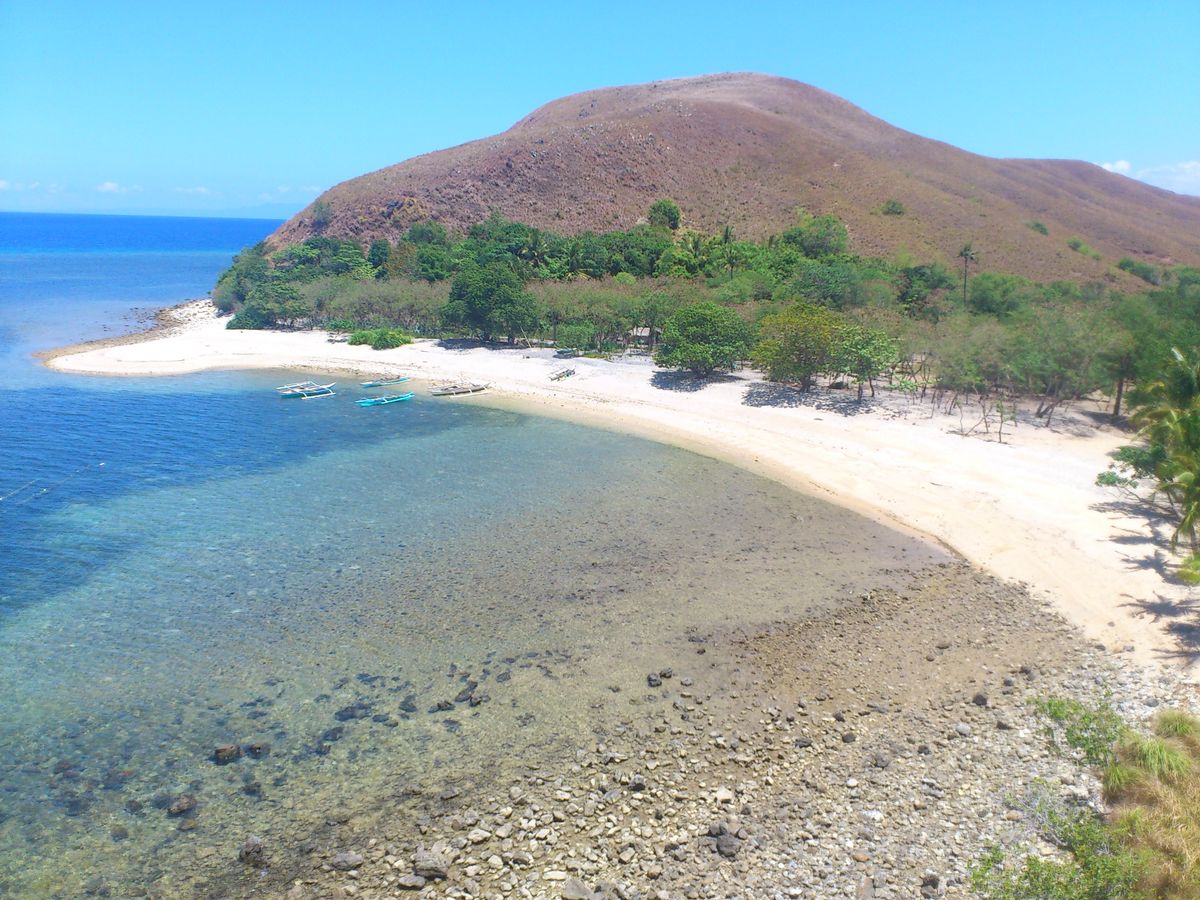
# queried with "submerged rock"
point(253, 851)
point(184, 803)
point(226, 753)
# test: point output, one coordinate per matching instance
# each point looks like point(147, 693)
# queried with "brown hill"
point(747, 150)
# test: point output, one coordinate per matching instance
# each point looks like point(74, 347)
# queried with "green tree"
point(377, 255)
point(864, 354)
point(491, 300)
point(798, 344)
point(817, 236)
point(664, 214)
point(703, 338)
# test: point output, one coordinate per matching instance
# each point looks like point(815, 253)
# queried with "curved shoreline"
point(1026, 510)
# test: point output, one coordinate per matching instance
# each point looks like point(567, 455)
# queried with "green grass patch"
point(1092, 730)
point(1157, 757)
point(1149, 843)
point(1080, 247)
point(1039, 227)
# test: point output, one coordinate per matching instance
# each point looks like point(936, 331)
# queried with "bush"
point(1078, 245)
point(892, 208)
point(1142, 270)
point(1092, 730)
point(664, 214)
point(1039, 227)
point(249, 319)
point(380, 338)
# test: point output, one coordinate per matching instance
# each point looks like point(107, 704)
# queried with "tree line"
point(799, 304)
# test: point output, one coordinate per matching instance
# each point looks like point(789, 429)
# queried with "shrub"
point(1039, 227)
point(1142, 270)
point(380, 338)
point(248, 319)
point(892, 208)
point(1078, 245)
point(1092, 730)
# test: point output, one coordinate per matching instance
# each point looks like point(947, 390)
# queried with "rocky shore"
point(875, 751)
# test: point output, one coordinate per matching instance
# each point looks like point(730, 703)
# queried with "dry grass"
point(1154, 787)
point(746, 150)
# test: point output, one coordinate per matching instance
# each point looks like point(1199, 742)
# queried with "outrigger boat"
point(302, 390)
point(561, 374)
point(369, 384)
point(458, 387)
point(380, 401)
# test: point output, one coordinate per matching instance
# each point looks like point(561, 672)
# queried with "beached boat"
point(561, 374)
point(370, 384)
point(456, 388)
point(303, 390)
point(380, 401)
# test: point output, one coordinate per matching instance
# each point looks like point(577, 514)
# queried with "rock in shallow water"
point(253, 851)
point(346, 860)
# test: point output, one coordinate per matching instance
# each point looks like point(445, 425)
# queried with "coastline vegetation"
point(799, 306)
point(1148, 842)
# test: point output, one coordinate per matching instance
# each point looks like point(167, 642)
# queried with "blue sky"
point(253, 108)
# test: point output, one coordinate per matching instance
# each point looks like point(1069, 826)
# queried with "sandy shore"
point(1027, 509)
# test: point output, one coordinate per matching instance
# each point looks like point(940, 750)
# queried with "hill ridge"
point(748, 149)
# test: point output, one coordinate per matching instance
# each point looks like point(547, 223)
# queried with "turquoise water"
point(190, 562)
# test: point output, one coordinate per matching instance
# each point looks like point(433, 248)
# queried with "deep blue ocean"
point(189, 561)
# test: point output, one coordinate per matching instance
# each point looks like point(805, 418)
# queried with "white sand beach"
point(1027, 509)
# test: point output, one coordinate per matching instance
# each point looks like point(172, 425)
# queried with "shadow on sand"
point(785, 396)
point(1150, 550)
point(686, 382)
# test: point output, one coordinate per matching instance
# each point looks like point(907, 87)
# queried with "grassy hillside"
point(746, 150)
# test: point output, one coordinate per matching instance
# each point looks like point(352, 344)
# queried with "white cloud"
point(1181, 177)
point(109, 187)
point(4, 185)
point(199, 189)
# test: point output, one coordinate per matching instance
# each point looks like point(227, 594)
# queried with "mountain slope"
point(747, 150)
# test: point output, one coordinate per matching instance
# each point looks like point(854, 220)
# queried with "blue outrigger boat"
point(381, 401)
point(369, 384)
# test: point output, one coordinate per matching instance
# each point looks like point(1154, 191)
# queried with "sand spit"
point(1027, 509)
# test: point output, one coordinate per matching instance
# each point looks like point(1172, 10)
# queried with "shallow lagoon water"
point(197, 563)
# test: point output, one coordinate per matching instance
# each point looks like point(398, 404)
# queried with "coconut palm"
point(968, 255)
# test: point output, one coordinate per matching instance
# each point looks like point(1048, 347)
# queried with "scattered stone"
point(226, 753)
point(184, 803)
point(728, 845)
point(980, 699)
point(430, 863)
point(347, 860)
point(574, 889)
point(253, 851)
point(410, 882)
point(654, 679)
point(849, 737)
point(963, 729)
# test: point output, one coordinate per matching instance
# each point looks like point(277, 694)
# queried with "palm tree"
point(968, 256)
point(1169, 415)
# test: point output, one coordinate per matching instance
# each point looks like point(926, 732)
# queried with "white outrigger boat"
point(303, 390)
point(456, 388)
